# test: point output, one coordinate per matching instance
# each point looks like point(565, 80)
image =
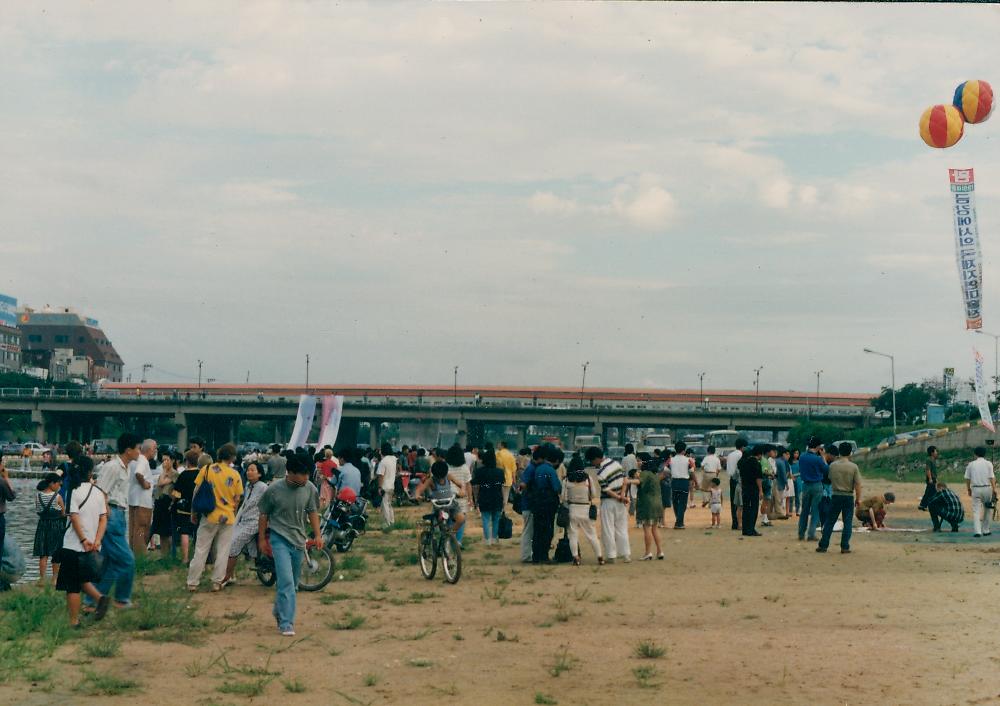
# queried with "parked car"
point(928, 432)
point(13, 448)
point(854, 444)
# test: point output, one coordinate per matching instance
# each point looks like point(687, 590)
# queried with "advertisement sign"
point(303, 421)
point(968, 254)
point(333, 409)
point(8, 311)
point(982, 401)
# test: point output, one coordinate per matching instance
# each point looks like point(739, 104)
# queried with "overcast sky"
point(512, 188)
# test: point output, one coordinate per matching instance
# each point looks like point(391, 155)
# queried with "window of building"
point(34, 338)
point(61, 339)
point(79, 339)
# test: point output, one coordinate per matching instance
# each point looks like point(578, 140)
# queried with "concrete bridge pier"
point(38, 419)
point(348, 434)
point(180, 421)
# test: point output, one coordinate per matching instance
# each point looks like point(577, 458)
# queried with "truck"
point(585, 441)
point(651, 442)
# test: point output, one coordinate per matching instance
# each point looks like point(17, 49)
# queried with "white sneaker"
point(627, 560)
point(288, 633)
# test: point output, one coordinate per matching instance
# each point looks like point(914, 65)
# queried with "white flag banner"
point(333, 409)
point(967, 251)
point(303, 421)
point(981, 399)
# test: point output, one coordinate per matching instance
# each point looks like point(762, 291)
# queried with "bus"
point(724, 441)
point(651, 442)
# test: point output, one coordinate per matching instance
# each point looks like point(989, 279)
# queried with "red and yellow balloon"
point(941, 126)
point(974, 99)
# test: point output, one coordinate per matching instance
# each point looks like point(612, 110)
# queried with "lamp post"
point(455, 386)
point(701, 388)
point(583, 382)
point(818, 373)
point(756, 385)
point(307, 373)
point(892, 364)
point(200, 363)
point(996, 363)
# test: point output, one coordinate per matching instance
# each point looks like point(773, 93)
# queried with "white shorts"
point(716, 508)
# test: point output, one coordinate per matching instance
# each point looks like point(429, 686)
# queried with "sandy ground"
point(905, 619)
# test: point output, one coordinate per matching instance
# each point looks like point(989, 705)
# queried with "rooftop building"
point(47, 331)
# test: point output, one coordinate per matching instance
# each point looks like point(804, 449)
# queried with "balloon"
point(975, 100)
point(941, 126)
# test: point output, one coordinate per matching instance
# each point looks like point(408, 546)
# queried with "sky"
point(395, 189)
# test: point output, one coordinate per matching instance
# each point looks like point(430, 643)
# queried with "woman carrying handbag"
point(579, 495)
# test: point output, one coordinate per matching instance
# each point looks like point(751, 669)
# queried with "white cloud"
point(644, 204)
point(547, 202)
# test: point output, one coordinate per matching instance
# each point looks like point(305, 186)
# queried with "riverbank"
point(755, 621)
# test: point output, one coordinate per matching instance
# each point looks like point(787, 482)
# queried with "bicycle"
point(438, 540)
point(317, 570)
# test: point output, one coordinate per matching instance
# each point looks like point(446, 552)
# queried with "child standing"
point(715, 503)
point(51, 525)
point(88, 518)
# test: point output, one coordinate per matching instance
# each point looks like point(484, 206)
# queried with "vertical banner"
point(967, 251)
point(982, 401)
point(333, 409)
point(303, 421)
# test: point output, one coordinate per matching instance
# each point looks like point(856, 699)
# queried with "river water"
point(22, 520)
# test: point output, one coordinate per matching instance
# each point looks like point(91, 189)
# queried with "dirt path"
point(756, 621)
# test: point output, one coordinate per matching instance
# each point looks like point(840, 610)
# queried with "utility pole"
point(583, 383)
point(248, 377)
point(145, 368)
point(818, 373)
point(307, 373)
point(200, 363)
point(701, 390)
point(455, 385)
point(756, 385)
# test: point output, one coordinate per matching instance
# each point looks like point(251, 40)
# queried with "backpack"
point(203, 502)
point(506, 528)
point(563, 554)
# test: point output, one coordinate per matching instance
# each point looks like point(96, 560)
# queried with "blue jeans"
point(798, 494)
point(491, 524)
point(287, 567)
point(811, 493)
point(839, 505)
point(679, 491)
point(119, 562)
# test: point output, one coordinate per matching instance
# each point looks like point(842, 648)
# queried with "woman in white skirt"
point(247, 518)
point(579, 494)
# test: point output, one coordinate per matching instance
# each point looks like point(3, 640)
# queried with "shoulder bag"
point(90, 564)
point(203, 502)
point(590, 494)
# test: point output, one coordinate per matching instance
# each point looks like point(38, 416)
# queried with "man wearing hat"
point(812, 469)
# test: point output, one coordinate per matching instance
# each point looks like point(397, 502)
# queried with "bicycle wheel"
point(428, 554)
point(265, 572)
point(451, 559)
point(317, 568)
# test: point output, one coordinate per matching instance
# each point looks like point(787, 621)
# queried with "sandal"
point(648, 557)
point(600, 561)
point(576, 561)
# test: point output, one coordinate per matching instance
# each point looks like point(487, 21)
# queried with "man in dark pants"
point(545, 489)
point(751, 479)
point(930, 490)
point(732, 468)
point(845, 487)
point(680, 483)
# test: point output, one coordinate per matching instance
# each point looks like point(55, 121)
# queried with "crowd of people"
point(93, 520)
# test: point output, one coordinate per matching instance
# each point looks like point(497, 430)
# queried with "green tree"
point(800, 433)
point(911, 400)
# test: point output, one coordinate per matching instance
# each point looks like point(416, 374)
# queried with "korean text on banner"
point(967, 250)
point(303, 421)
point(981, 400)
point(333, 408)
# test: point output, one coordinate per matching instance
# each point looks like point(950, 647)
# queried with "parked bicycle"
point(438, 540)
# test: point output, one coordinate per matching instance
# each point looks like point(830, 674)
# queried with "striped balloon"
point(975, 100)
point(941, 126)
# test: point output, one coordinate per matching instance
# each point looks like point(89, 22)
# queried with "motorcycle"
point(343, 522)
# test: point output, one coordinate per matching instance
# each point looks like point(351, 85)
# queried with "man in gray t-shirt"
point(285, 508)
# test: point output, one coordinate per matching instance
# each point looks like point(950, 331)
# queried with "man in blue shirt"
point(545, 488)
point(349, 475)
point(812, 469)
point(528, 475)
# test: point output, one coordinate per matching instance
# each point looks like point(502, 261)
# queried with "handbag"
point(516, 501)
point(563, 554)
point(593, 508)
point(203, 502)
point(91, 566)
point(562, 515)
point(593, 512)
point(506, 528)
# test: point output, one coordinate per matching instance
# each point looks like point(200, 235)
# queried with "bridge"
point(215, 411)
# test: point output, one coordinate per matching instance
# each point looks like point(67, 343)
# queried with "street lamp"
point(818, 373)
point(756, 385)
point(583, 382)
point(892, 363)
point(307, 373)
point(701, 388)
point(200, 363)
point(455, 388)
point(996, 360)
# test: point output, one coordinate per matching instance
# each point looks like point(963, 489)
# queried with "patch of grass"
point(98, 684)
point(541, 698)
point(773, 598)
point(723, 602)
point(401, 523)
point(546, 624)
point(102, 648)
point(251, 689)
point(382, 587)
point(406, 559)
point(421, 663)
point(563, 610)
point(152, 563)
point(564, 662)
point(450, 690)
point(504, 637)
point(604, 599)
point(417, 597)
point(353, 562)
point(36, 674)
point(647, 649)
point(645, 675)
point(352, 700)
point(162, 615)
point(419, 635)
point(350, 621)
point(750, 616)
point(457, 637)
point(237, 616)
point(371, 679)
point(580, 596)
point(32, 627)
point(334, 652)
point(329, 598)
point(294, 686)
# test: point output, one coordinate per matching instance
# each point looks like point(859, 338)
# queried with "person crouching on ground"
point(285, 508)
point(872, 511)
point(845, 487)
point(945, 507)
point(216, 529)
point(88, 518)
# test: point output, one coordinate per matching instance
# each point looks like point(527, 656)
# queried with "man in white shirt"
point(614, 506)
point(141, 480)
point(386, 475)
point(981, 484)
point(732, 470)
point(711, 467)
point(119, 562)
point(680, 483)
